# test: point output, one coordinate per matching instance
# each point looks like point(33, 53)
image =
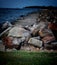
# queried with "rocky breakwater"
point(32, 32)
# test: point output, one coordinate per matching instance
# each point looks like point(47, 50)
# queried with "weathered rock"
point(11, 42)
point(40, 29)
point(18, 32)
point(48, 46)
point(42, 25)
point(38, 37)
point(17, 41)
point(53, 45)
point(7, 41)
point(48, 39)
point(44, 32)
point(53, 26)
point(35, 42)
point(16, 36)
point(34, 33)
point(6, 24)
point(33, 27)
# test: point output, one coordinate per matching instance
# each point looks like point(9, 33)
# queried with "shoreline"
point(36, 17)
point(26, 20)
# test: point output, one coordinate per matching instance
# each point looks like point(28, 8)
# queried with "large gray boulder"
point(18, 32)
point(35, 42)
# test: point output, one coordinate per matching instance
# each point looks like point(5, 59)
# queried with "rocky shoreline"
point(32, 32)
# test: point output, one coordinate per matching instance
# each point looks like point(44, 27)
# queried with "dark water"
point(12, 14)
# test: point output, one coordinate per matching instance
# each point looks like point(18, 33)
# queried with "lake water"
point(12, 14)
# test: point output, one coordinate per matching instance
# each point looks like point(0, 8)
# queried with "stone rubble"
point(38, 34)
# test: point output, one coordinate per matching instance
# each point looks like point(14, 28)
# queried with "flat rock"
point(35, 42)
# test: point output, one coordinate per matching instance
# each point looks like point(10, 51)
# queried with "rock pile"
point(39, 34)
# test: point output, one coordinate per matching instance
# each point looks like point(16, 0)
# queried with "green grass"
point(28, 58)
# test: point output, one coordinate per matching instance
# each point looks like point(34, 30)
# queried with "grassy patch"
point(28, 58)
